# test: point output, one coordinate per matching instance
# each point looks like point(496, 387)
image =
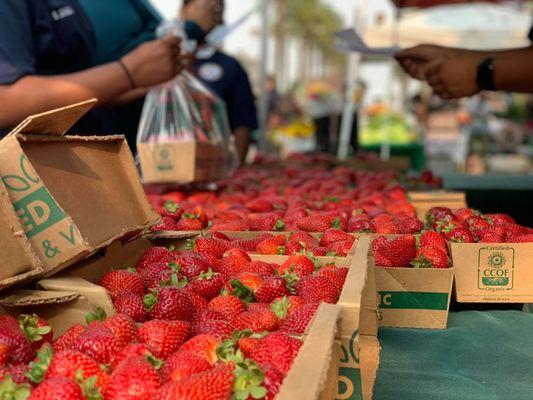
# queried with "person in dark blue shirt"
point(48, 58)
point(221, 73)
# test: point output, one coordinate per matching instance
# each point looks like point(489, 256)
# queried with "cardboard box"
point(395, 163)
point(493, 272)
point(183, 162)
point(72, 195)
point(424, 201)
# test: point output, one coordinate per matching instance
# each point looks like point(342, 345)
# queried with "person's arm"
point(151, 63)
point(242, 136)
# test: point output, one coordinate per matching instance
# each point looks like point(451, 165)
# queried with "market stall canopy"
point(479, 26)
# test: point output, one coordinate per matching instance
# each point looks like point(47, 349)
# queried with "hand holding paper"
point(350, 42)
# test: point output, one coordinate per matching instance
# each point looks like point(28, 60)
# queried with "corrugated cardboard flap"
point(21, 298)
point(71, 138)
point(55, 122)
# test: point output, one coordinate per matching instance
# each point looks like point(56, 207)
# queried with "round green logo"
point(496, 260)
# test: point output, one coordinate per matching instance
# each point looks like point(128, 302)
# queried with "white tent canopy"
point(479, 26)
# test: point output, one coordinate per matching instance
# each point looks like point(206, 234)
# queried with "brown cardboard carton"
point(395, 163)
point(493, 272)
point(183, 162)
point(73, 195)
point(423, 201)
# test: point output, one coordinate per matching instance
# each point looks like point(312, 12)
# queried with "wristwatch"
point(485, 75)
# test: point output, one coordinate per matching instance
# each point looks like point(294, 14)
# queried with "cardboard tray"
point(424, 201)
point(71, 195)
point(493, 272)
point(183, 162)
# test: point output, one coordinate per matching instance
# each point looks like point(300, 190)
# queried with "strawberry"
point(183, 364)
point(259, 205)
point(337, 275)
point(209, 245)
point(360, 225)
point(208, 315)
point(134, 379)
point(500, 219)
point(98, 341)
point(521, 238)
point(19, 348)
point(18, 372)
point(458, 233)
point(432, 238)
point(172, 210)
point(191, 264)
point(276, 349)
point(256, 321)
point(265, 222)
point(272, 246)
point(67, 339)
point(320, 251)
point(131, 305)
point(166, 224)
point(271, 288)
point(132, 350)
point(170, 303)
point(406, 224)
point(189, 222)
point(208, 284)
point(333, 235)
point(163, 337)
point(431, 257)
point(120, 281)
point(204, 346)
point(285, 306)
point(198, 302)
point(37, 330)
point(317, 223)
point(156, 254)
point(57, 388)
point(340, 249)
point(247, 345)
point(384, 225)
point(261, 268)
point(272, 382)
point(435, 214)
point(124, 328)
point(243, 244)
point(229, 306)
point(300, 264)
point(465, 213)
point(68, 364)
point(491, 237)
point(297, 322)
point(394, 253)
point(317, 288)
point(234, 261)
point(303, 239)
point(215, 384)
point(218, 328)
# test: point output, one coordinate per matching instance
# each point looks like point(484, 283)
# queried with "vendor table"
point(481, 356)
point(414, 151)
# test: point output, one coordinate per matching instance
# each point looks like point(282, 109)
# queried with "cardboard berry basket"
point(423, 201)
point(413, 297)
point(493, 272)
point(340, 354)
point(64, 197)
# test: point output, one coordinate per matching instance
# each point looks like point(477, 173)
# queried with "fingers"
point(422, 52)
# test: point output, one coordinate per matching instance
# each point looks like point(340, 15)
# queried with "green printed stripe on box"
point(413, 300)
point(349, 384)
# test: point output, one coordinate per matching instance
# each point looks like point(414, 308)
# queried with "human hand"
point(206, 13)
point(454, 77)
point(154, 62)
point(417, 60)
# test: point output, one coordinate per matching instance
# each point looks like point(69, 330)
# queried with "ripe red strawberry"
point(458, 233)
point(208, 315)
point(272, 246)
point(163, 337)
point(276, 349)
point(220, 329)
point(271, 288)
point(229, 306)
point(122, 280)
point(19, 348)
point(17, 372)
point(131, 350)
point(293, 216)
point(273, 380)
point(215, 384)
point(170, 303)
point(360, 225)
point(189, 222)
point(299, 264)
point(491, 237)
point(335, 274)
point(521, 238)
point(68, 363)
point(37, 330)
point(209, 245)
point(166, 224)
point(208, 284)
point(500, 219)
point(183, 364)
point(285, 306)
point(198, 302)
point(134, 379)
point(191, 264)
point(340, 249)
point(333, 235)
point(256, 321)
point(266, 222)
point(431, 257)
point(261, 268)
point(234, 261)
point(397, 252)
point(204, 346)
point(304, 240)
point(432, 238)
point(243, 244)
point(317, 288)
point(297, 322)
point(247, 345)
point(153, 274)
point(155, 254)
point(172, 209)
point(259, 205)
point(67, 339)
point(57, 388)
point(98, 341)
point(124, 328)
point(320, 251)
point(317, 223)
point(132, 305)
point(407, 224)
point(465, 213)
point(384, 225)
point(435, 214)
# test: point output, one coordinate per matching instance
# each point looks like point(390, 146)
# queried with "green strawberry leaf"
point(97, 315)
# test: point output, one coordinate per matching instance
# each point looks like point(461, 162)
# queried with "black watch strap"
point(485, 75)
